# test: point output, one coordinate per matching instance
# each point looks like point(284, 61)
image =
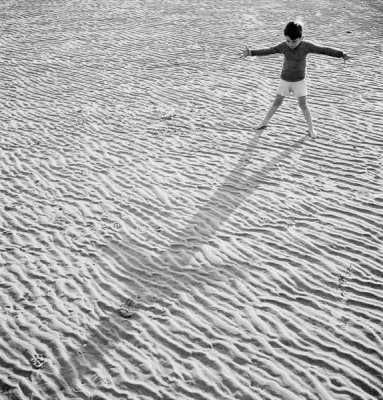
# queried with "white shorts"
point(298, 89)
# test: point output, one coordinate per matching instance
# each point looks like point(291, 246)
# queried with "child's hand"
point(245, 53)
point(346, 58)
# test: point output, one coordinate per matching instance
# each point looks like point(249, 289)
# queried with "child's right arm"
point(246, 53)
point(261, 52)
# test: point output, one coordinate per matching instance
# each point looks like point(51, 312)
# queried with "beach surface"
point(153, 244)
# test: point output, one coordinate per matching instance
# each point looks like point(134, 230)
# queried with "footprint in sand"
point(342, 281)
point(127, 310)
point(38, 361)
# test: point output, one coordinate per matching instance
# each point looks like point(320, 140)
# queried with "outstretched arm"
point(261, 52)
point(329, 51)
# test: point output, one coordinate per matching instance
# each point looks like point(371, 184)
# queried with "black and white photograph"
point(191, 200)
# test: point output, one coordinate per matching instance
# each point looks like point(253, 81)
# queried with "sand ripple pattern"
point(152, 244)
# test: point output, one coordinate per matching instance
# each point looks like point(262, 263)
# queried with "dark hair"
point(294, 29)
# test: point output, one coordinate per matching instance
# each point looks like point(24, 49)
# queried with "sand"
point(153, 244)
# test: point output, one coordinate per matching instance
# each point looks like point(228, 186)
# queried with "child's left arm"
point(328, 51)
point(346, 57)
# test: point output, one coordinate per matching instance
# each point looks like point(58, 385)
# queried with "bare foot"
point(313, 134)
point(262, 125)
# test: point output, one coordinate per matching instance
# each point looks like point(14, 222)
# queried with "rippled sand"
point(153, 245)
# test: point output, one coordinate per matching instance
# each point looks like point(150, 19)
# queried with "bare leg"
point(274, 107)
point(307, 114)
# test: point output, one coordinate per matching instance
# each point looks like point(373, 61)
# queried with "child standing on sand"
point(293, 76)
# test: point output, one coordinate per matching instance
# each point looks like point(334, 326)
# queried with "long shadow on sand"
point(235, 189)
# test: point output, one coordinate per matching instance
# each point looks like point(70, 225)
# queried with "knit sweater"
point(294, 66)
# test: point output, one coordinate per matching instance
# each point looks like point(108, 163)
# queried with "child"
point(293, 73)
